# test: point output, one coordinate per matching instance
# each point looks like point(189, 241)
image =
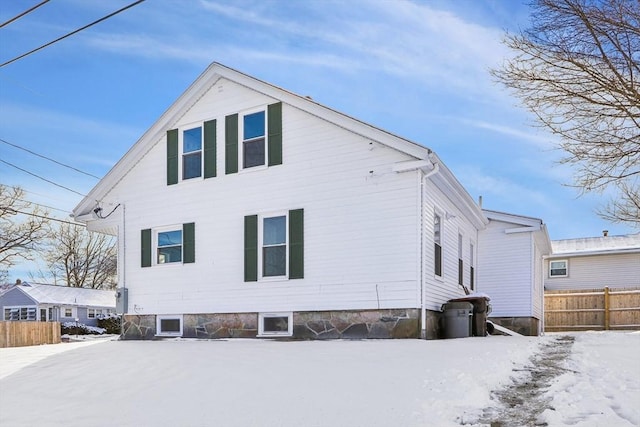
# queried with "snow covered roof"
point(627, 243)
point(52, 294)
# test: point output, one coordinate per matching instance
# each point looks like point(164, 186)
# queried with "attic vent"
point(605, 233)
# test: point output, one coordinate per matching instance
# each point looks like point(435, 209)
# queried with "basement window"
point(275, 324)
point(169, 326)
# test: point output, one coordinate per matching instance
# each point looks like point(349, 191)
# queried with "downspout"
point(423, 287)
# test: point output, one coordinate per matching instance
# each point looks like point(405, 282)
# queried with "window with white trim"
point(93, 313)
point(67, 312)
point(253, 139)
point(472, 266)
point(169, 325)
point(559, 268)
point(460, 262)
point(27, 313)
point(273, 243)
point(168, 246)
point(275, 324)
point(437, 239)
point(192, 153)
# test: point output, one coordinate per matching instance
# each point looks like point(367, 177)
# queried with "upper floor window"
point(192, 153)
point(253, 140)
point(558, 268)
point(169, 246)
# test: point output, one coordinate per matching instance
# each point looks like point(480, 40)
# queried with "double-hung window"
point(192, 153)
point(558, 268)
point(274, 246)
point(437, 239)
point(472, 266)
point(253, 140)
point(460, 262)
point(169, 246)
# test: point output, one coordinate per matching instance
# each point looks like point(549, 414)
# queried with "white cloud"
point(414, 41)
point(532, 136)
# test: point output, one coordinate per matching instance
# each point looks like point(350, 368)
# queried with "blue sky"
point(416, 69)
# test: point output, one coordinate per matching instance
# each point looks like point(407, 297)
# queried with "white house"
point(247, 210)
point(594, 262)
point(511, 251)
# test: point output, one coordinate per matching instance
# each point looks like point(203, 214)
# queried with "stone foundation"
point(317, 325)
point(434, 325)
point(375, 324)
point(138, 327)
point(523, 325)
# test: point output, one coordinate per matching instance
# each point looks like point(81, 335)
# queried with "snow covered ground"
point(312, 383)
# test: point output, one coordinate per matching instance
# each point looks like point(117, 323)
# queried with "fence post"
point(606, 308)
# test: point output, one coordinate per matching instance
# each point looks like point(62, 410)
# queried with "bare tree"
point(81, 258)
point(577, 69)
point(23, 228)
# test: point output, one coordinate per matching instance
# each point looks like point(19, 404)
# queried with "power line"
point(48, 158)
point(23, 13)
point(48, 196)
point(44, 179)
point(45, 217)
point(71, 33)
point(44, 206)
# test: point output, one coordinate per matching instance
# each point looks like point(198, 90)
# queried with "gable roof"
point(215, 72)
point(66, 295)
point(602, 245)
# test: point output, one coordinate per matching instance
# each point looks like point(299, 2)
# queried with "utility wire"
point(48, 196)
point(46, 217)
point(23, 13)
point(44, 179)
point(43, 206)
point(71, 33)
point(48, 158)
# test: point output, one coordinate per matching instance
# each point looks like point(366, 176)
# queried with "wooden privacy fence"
point(596, 309)
point(20, 334)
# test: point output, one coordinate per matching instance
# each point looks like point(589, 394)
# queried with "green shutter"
point(188, 243)
point(172, 156)
point(210, 149)
point(274, 130)
point(296, 244)
point(251, 248)
point(145, 245)
point(231, 144)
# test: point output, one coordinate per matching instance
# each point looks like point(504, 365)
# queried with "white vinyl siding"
point(506, 272)
point(360, 218)
point(440, 289)
point(597, 271)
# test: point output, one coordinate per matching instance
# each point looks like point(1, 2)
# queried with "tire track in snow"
point(521, 403)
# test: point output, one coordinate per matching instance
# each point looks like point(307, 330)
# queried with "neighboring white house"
point(42, 302)
point(511, 251)
point(594, 262)
point(247, 210)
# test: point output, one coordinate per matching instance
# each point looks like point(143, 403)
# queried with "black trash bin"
point(481, 310)
point(457, 319)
